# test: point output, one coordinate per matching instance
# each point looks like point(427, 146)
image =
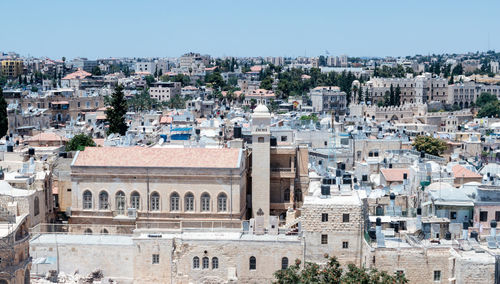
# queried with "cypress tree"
point(397, 96)
point(115, 113)
point(391, 96)
point(4, 120)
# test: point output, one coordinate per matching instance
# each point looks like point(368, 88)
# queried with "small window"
point(196, 262)
point(253, 263)
point(284, 263)
point(205, 263)
point(156, 259)
point(453, 215)
point(497, 216)
point(437, 275)
point(261, 140)
point(345, 245)
point(283, 138)
point(324, 239)
point(483, 216)
point(345, 218)
point(326, 143)
point(215, 263)
point(324, 217)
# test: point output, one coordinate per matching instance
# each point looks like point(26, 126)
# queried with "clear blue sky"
point(142, 28)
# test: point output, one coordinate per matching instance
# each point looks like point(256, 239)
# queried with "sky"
point(144, 28)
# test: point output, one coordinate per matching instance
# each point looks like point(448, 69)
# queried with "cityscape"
point(322, 166)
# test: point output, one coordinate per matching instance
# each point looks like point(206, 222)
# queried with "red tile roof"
point(80, 74)
point(46, 137)
point(158, 157)
point(394, 174)
point(462, 172)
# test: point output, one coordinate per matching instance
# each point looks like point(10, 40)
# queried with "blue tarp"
point(182, 129)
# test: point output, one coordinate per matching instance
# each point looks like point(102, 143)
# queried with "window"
point(103, 200)
point(497, 216)
point(215, 263)
point(156, 259)
point(345, 218)
point(87, 200)
point(196, 262)
point(88, 104)
point(453, 215)
point(324, 239)
point(104, 231)
point(437, 275)
point(88, 231)
point(222, 202)
point(155, 201)
point(286, 195)
point(205, 202)
point(261, 140)
point(37, 205)
point(253, 263)
point(205, 263)
point(120, 201)
point(174, 202)
point(135, 200)
point(284, 263)
point(189, 201)
point(78, 104)
point(324, 217)
point(345, 245)
point(483, 216)
point(283, 138)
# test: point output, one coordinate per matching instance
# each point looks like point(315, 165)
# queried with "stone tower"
point(261, 156)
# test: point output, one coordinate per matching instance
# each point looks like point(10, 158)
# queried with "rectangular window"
point(261, 140)
point(324, 239)
point(283, 138)
point(156, 258)
point(437, 275)
point(324, 217)
point(483, 216)
point(345, 218)
point(345, 245)
point(497, 216)
point(453, 215)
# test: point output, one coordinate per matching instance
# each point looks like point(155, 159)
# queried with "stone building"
point(464, 95)
point(328, 98)
point(15, 260)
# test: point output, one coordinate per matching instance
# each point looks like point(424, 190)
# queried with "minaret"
point(261, 160)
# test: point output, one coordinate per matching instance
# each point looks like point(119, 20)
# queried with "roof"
point(462, 172)
point(158, 157)
point(80, 74)
point(394, 174)
point(46, 136)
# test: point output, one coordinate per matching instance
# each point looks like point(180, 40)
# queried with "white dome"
point(261, 109)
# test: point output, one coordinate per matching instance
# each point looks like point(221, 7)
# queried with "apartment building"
point(164, 91)
point(12, 68)
point(328, 98)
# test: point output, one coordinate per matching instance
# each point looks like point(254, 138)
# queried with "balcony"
point(282, 172)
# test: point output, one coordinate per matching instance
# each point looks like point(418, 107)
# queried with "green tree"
point(142, 101)
point(149, 80)
point(397, 96)
point(489, 110)
point(96, 71)
point(360, 95)
point(429, 145)
point(391, 96)
point(116, 110)
point(4, 119)
point(267, 83)
point(79, 142)
point(485, 99)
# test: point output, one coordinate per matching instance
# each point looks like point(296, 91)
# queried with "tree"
point(429, 145)
point(267, 83)
point(485, 99)
point(142, 101)
point(332, 273)
point(360, 95)
point(397, 96)
point(96, 71)
point(149, 80)
point(79, 142)
point(116, 110)
point(4, 119)
point(391, 96)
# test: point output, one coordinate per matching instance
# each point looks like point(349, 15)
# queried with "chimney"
point(493, 225)
point(465, 230)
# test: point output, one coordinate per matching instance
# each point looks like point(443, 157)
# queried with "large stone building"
point(15, 261)
point(328, 98)
point(465, 94)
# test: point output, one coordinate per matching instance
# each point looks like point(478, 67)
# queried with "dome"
point(261, 109)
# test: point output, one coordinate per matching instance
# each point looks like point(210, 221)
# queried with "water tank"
point(390, 166)
point(338, 173)
point(372, 233)
point(392, 196)
point(220, 133)
point(237, 131)
point(274, 141)
point(360, 127)
point(447, 236)
point(31, 151)
point(422, 154)
point(346, 180)
point(405, 176)
point(493, 224)
point(355, 180)
point(197, 131)
point(325, 189)
point(465, 225)
point(419, 211)
point(10, 148)
point(342, 166)
point(63, 154)
point(378, 222)
point(474, 235)
point(364, 178)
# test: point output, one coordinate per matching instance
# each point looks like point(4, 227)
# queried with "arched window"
point(103, 200)
point(120, 201)
point(284, 263)
point(37, 206)
point(87, 200)
point(205, 202)
point(222, 202)
point(189, 201)
point(205, 263)
point(155, 201)
point(174, 202)
point(135, 200)
point(88, 231)
point(253, 263)
point(196, 262)
point(215, 263)
point(104, 231)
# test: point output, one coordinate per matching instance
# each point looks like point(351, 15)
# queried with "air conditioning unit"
point(132, 213)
